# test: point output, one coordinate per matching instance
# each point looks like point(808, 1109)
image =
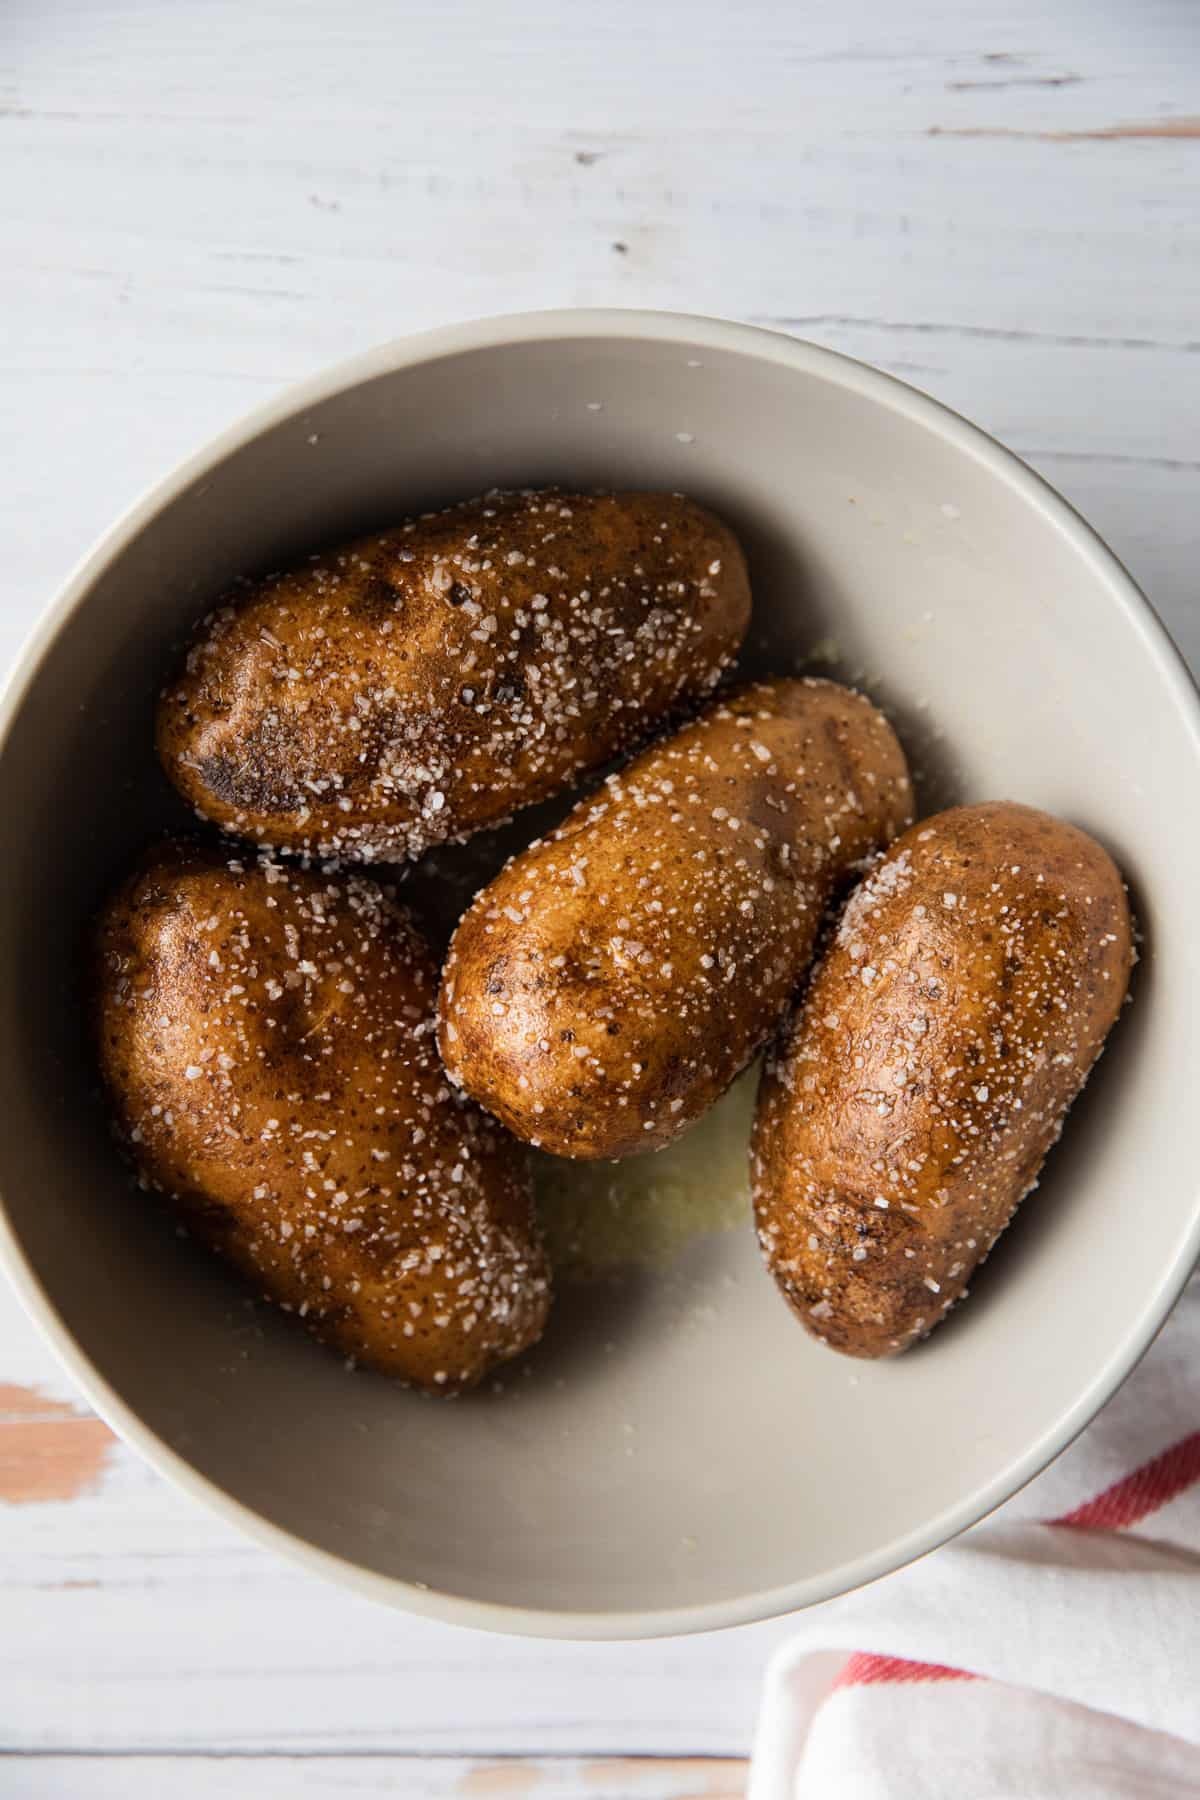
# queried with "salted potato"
point(606, 988)
point(972, 981)
point(266, 1036)
point(415, 686)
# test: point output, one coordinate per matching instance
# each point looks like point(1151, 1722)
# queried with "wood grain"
point(1187, 126)
point(994, 199)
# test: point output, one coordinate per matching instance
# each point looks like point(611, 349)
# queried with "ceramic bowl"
point(680, 1455)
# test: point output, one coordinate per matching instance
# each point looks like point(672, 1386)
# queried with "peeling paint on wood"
point(48, 1450)
point(1178, 130)
point(513, 1780)
point(691, 1778)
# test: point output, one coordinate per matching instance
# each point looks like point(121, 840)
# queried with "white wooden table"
point(204, 199)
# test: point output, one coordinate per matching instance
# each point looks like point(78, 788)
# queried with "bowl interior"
point(678, 1443)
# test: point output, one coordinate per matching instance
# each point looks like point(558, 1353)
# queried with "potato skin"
point(266, 1037)
point(954, 1018)
point(416, 686)
point(606, 988)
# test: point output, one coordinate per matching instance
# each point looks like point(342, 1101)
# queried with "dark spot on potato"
point(250, 785)
point(375, 598)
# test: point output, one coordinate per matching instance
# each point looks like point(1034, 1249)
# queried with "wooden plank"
point(399, 1778)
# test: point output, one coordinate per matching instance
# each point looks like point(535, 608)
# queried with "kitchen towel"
point(1052, 1651)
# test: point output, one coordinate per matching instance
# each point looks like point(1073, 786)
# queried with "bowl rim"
point(688, 332)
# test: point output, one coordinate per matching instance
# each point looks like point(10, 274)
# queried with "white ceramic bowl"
point(681, 1455)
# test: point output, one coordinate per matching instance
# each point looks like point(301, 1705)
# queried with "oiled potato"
point(266, 1036)
point(605, 989)
point(412, 687)
point(969, 989)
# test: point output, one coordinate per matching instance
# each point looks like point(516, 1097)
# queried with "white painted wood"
point(397, 1778)
point(203, 201)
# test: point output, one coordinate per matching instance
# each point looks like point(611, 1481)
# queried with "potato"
point(972, 981)
point(266, 1036)
point(415, 686)
point(606, 988)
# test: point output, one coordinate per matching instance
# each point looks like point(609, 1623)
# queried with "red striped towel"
point(1052, 1651)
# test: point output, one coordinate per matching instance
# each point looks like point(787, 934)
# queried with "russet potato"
point(606, 988)
point(969, 989)
point(266, 1036)
point(418, 685)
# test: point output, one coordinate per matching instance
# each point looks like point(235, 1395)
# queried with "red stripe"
point(1143, 1492)
point(1125, 1503)
point(863, 1670)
